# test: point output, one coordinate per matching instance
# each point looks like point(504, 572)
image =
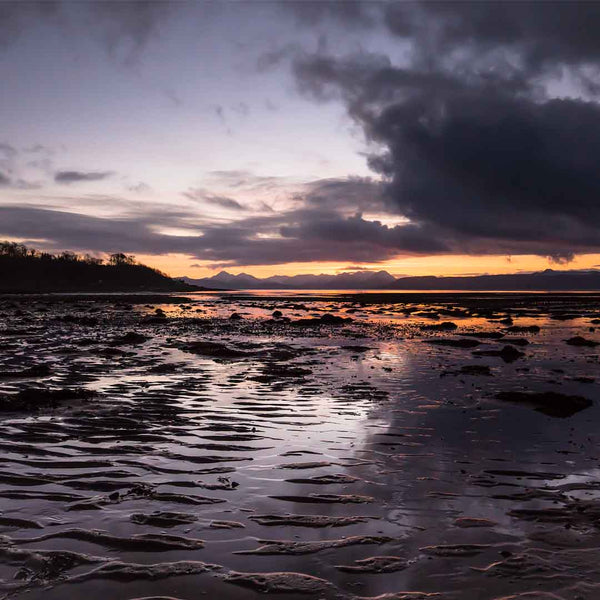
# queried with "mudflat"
point(331, 445)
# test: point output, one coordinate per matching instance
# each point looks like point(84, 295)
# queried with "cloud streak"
point(204, 196)
point(67, 177)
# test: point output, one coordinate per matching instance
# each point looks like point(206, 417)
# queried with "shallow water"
point(299, 453)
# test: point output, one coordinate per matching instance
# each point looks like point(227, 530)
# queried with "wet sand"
point(302, 446)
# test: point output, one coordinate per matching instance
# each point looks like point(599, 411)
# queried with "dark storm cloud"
point(4, 179)
point(539, 34)
point(473, 147)
point(348, 12)
point(78, 176)
point(364, 78)
point(493, 166)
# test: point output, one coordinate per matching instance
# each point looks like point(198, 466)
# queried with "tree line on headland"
point(27, 270)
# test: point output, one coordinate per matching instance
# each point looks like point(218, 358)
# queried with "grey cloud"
point(241, 108)
point(304, 235)
point(297, 236)
point(124, 28)
point(538, 36)
point(564, 33)
point(15, 17)
point(349, 13)
point(78, 176)
point(139, 188)
point(353, 268)
point(128, 22)
point(17, 184)
point(355, 194)
point(313, 227)
point(8, 158)
point(8, 150)
point(66, 230)
point(474, 149)
point(201, 195)
point(365, 78)
point(39, 148)
point(494, 166)
point(224, 202)
point(246, 180)
point(22, 184)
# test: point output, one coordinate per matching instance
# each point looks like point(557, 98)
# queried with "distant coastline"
point(542, 281)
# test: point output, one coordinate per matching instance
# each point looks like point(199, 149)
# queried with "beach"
point(301, 445)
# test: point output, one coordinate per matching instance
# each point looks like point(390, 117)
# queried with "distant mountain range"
point(548, 280)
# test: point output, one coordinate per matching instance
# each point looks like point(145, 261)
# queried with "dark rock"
point(456, 343)
point(75, 320)
point(581, 342)
point(329, 319)
point(508, 354)
point(552, 404)
point(129, 339)
point(444, 326)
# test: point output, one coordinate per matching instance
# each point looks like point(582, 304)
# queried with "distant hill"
point(359, 280)
point(548, 280)
point(26, 270)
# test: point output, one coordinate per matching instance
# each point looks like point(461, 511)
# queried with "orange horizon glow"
point(179, 265)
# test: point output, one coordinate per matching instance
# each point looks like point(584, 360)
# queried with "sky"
point(304, 137)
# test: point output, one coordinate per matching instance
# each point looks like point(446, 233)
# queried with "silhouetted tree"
point(69, 256)
point(12, 249)
point(121, 259)
point(88, 259)
point(25, 269)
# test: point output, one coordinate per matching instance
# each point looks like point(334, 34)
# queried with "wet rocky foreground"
point(383, 446)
